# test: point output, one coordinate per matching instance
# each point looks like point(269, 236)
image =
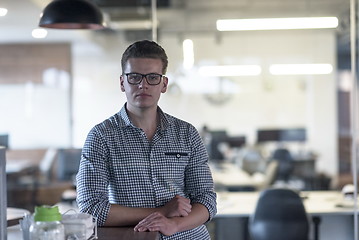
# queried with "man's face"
point(143, 95)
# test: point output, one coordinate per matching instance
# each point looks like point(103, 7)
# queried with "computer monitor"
point(270, 135)
point(218, 134)
point(281, 135)
point(217, 137)
point(293, 134)
point(4, 140)
point(236, 141)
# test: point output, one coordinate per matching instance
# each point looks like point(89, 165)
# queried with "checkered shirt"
point(119, 165)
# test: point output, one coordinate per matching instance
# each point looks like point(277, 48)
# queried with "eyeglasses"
point(151, 78)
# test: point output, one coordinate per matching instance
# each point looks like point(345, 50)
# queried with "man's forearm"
point(198, 216)
point(126, 216)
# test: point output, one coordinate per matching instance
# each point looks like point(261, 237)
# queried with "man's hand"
point(157, 222)
point(177, 207)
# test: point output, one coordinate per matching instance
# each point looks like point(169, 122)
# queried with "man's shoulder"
point(177, 122)
point(113, 122)
point(172, 119)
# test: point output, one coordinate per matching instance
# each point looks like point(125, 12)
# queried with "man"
point(143, 167)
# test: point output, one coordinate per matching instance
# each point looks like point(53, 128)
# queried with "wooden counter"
point(124, 233)
point(103, 233)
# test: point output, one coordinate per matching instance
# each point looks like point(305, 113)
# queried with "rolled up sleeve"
point(199, 181)
point(93, 178)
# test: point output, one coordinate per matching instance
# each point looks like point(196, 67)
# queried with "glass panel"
point(34, 93)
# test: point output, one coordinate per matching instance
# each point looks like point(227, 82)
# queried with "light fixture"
point(276, 23)
point(39, 33)
point(3, 12)
point(230, 70)
point(188, 54)
point(300, 69)
point(71, 14)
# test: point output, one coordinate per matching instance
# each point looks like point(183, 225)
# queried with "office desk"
point(234, 209)
point(20, 165)
point(242, 204)
point(229, 175)
point(122, 233)
point(21, 160)
point(103, 233)
point(13, 215)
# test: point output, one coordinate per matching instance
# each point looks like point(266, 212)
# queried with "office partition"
point(3, 200)
point(354, 107)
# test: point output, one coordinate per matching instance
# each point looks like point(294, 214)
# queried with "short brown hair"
point(145, 49)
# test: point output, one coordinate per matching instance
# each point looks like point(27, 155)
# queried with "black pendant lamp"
point(71, 14)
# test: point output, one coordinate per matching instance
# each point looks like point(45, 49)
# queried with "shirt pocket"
point(176, 154)
point(175, 163)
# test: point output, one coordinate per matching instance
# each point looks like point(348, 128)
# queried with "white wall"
point(255, 102)
point(262, 101)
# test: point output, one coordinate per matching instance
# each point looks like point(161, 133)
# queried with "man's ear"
point(121, 83)
point(165, 84)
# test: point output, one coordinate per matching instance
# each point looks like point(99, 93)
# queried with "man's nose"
point(143, 83)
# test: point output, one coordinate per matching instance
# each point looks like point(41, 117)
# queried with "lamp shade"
point(71, 14)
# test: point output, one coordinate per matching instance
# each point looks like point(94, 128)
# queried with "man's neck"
point(146, 119)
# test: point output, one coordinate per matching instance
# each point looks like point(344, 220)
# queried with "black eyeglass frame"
point(144, 76)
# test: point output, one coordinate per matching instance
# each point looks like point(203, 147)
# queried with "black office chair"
point(279, 215)
point(286, 164)
point(68, 165)
point(4, 140)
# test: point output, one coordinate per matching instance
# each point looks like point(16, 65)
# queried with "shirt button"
point(178, 155)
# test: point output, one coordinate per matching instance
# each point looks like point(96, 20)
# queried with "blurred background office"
point(56, 84)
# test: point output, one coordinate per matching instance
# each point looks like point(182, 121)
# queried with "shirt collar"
point(165, 121)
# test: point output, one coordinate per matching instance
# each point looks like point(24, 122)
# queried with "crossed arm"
point(175, 216)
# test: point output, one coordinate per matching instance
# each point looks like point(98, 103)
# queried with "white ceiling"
point(200, 14)
point(181, 15)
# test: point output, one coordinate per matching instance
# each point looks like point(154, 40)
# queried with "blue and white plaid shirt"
point(119, 165)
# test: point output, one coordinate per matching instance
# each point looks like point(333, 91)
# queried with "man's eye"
point(153, 77)
point(134, 77)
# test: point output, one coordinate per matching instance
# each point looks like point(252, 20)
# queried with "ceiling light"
point(131, 25)
point(276, 23)
point(3, 12)
point(188, 54)
point(71, 14)
point(39, 33)
point(300, 69)
point(230, 70)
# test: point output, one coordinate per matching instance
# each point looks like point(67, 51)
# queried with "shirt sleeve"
point(93, 178)
point(199, 181)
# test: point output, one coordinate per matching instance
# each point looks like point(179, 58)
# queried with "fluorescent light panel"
point(39, 33)
point(131, 25)
point(230, 70)
point(300, 69)
point(276, 23)
point(188, 54)
point(3, 12)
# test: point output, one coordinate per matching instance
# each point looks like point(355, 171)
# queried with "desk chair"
point(286, 164)
point(4, 140)
point(68, 160)
point(279, 215)
point(68, 165)
point(269, 175)
point(252, 161)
